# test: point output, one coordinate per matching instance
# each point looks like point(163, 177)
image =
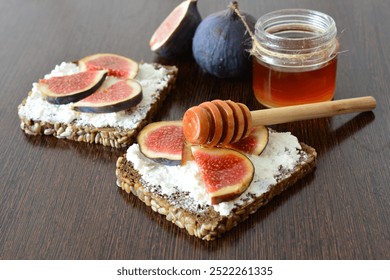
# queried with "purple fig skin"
point(221, 43)
point(100, 102)
point(110, 108)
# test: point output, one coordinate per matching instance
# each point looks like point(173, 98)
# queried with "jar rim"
point(323, 27)
point(295, 37)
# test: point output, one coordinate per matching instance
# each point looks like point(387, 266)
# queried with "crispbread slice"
point(206, 223)
point(108, 136)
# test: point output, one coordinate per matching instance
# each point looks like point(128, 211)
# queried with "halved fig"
point(255, 143)
point(116, 65)
point(71, 88)
point(225, 172)
point(113, 96)
point(174, 35)
point(162, 141)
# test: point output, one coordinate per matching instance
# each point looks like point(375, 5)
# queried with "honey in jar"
point(295, 58)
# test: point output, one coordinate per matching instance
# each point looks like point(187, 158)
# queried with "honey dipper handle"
point(312, 111)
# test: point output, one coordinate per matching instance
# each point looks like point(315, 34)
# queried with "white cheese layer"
point(38, 109)
point(281, 153)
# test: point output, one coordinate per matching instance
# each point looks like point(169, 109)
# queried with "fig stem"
point(234, 6)
point(255, 43)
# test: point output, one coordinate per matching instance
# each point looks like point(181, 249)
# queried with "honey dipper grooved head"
point(196, 125)
point(216, 123)
point(228, 121)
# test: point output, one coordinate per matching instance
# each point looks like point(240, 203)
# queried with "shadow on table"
point(81, 148)
point(326, 137)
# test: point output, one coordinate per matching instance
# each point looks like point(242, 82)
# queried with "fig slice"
point(255, 143)
point(116, 65)
point(113, 96)
point(71, 88)
point(225, 172)
point(162, 142)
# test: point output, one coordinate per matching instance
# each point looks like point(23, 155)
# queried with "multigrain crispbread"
point(117, 130)
point(140, 176)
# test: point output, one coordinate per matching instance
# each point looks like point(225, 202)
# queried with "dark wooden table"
point(59, 200)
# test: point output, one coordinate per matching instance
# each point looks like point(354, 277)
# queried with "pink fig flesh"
point(116, 65)
point(254, 144)
point(226, 173)
point(162, 141)
point(71, 88)
point(113, 96)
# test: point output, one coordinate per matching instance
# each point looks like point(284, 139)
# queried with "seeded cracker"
point(183, 207)
point(109, 129)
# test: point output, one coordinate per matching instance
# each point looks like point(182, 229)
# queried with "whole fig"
point(221, 43)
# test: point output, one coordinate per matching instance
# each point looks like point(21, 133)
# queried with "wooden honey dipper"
point(220, 122)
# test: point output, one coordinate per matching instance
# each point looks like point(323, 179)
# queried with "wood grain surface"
point(59, 200)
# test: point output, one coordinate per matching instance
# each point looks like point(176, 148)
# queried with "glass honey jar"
point(294, 57)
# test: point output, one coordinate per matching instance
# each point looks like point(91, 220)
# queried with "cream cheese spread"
point(37, 108)
point(282, 153)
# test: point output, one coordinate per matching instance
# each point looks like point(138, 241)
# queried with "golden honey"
point(274, 87)
point(295, 58)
